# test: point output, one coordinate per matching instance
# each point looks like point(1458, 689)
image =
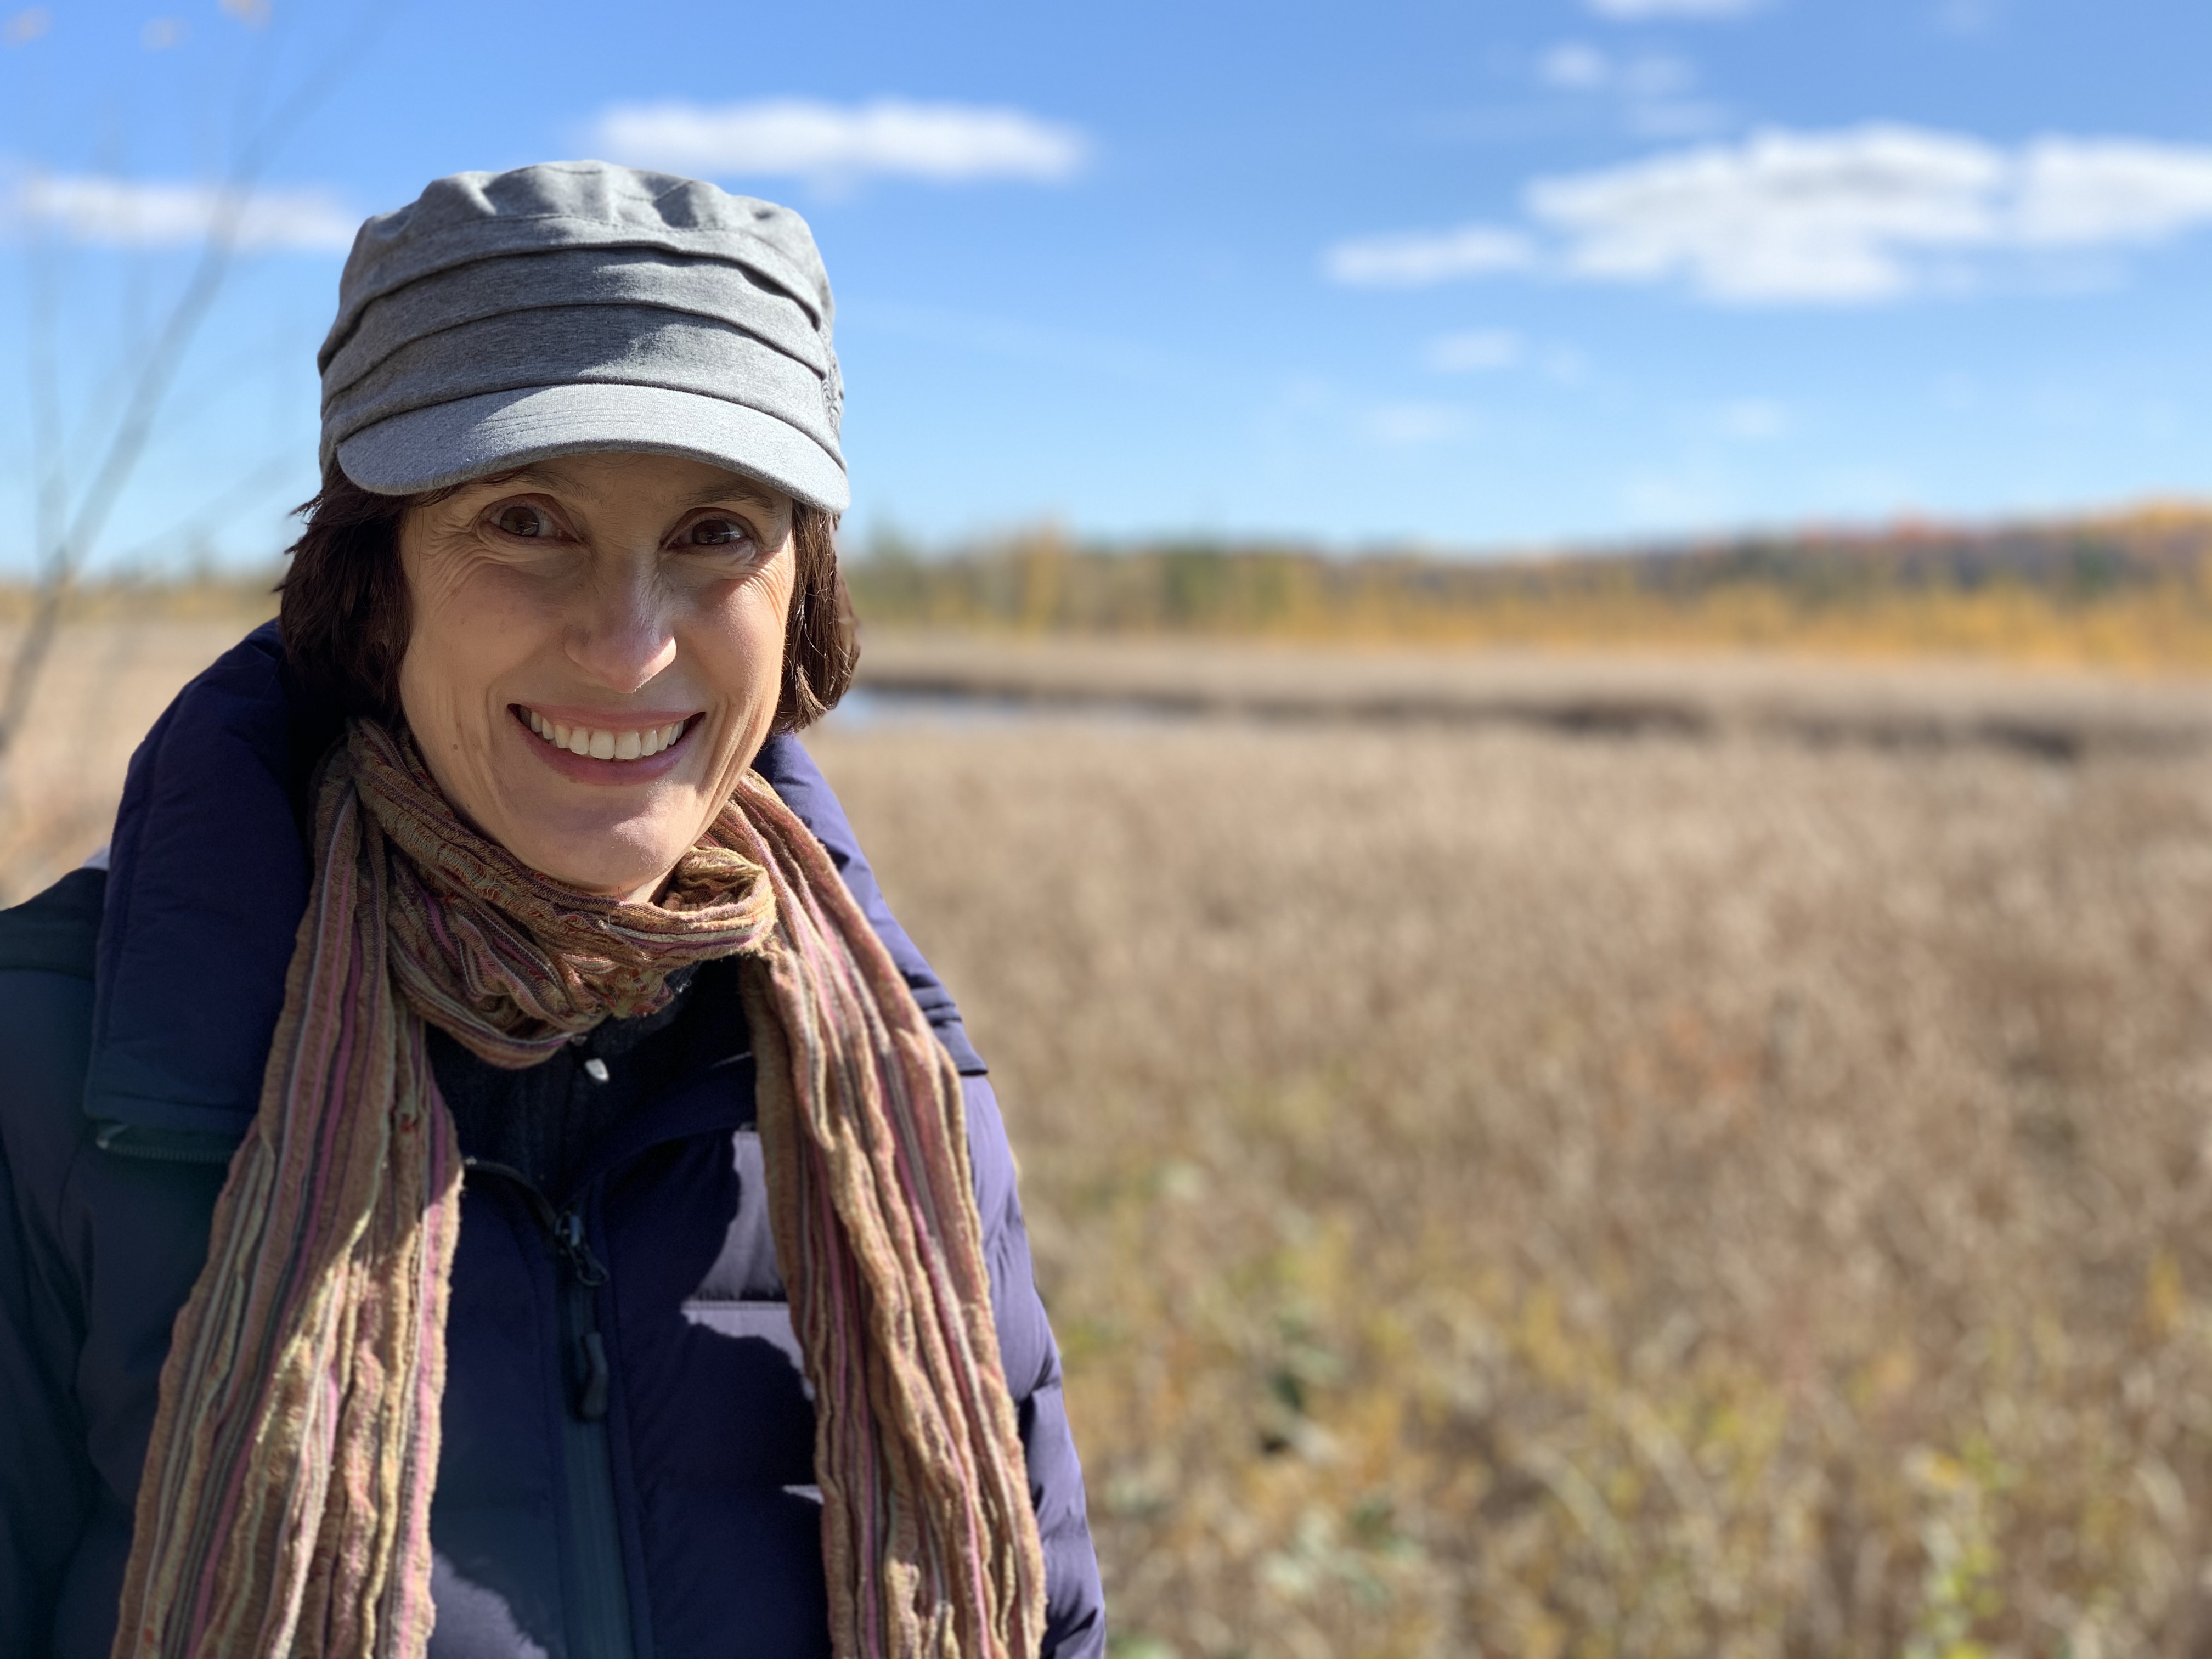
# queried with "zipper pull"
point(569, 1237)
point(591, 1377)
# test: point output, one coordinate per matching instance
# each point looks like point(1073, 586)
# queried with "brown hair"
point(344, 611)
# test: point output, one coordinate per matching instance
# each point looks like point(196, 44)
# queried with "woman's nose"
point(622, 636)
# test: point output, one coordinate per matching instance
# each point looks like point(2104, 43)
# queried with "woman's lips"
point(605, 749)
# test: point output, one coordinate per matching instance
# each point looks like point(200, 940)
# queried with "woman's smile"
point(608, 737)
point(602, 748)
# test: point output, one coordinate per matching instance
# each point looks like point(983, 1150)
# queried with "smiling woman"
point(621, 607)
point(616, 1248)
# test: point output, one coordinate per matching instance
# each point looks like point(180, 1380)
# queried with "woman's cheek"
point(463, 633)
point(751, 667)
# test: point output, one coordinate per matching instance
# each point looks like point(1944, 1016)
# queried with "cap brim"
point(452, 443)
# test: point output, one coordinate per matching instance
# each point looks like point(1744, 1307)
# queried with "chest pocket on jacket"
point(741, 1294)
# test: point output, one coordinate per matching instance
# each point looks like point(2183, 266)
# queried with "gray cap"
point(505, 317)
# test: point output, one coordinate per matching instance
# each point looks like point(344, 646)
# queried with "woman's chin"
point(596, 848)
point(591, 870)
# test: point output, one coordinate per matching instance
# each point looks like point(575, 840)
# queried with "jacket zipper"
point(598, 1612)
point(164, 1145)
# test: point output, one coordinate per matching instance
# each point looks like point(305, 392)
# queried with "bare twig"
point(245, 491)
point(123, 451)
point(68, 538)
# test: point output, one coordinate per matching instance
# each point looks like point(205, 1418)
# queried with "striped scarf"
point(285, 1509)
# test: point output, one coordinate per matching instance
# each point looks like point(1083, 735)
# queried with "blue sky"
point(1476, 276)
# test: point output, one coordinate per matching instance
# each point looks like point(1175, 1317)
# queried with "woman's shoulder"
point(207, 881)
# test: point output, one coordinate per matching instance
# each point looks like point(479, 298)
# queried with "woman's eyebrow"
point(545, 479)
point(729, 493)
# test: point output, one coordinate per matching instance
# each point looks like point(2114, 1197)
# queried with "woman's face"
point(596, 653)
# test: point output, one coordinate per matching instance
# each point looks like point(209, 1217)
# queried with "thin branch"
point(73, 542)
point(48, 446)
point(248, 491)
point(123, 451)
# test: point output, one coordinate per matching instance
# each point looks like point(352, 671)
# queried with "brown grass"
point(1514, 1195)
point(1523, 1193)
point(109, 679)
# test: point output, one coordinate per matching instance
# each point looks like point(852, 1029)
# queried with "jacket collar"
point(207, 881)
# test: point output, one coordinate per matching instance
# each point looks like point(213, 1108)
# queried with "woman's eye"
point(719, 532)
point(520, 519)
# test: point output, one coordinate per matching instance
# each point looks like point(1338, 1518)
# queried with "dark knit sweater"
point(544, 1120)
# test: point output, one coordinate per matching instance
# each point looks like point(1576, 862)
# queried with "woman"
point(486, 1174)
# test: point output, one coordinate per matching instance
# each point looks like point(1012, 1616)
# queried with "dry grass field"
point(1514, 1193)
point(1725, 1188)
point(107, 682)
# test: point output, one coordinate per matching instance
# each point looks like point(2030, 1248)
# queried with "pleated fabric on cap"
point(503, 318)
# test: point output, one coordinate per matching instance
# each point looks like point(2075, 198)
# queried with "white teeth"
point(604, 744)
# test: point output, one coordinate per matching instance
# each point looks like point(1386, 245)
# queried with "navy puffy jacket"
point(663, 1511)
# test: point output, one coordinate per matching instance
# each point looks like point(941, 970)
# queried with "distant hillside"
point(2128, 589)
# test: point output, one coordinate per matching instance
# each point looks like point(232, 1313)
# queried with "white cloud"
point(1574, 66)
point(2090, 192)
point(1781, 217)
point(110, 212)
point(1637, 11)
point(1475, 352)
point(801, 137)
point(1653, 89)
point(1420, 259)
point(1403, 424)
point(1871, 213)
point(1864, 215)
